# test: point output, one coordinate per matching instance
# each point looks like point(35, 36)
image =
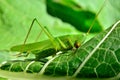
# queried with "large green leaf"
point(108, 15)
point(94, 59)
point(72, 13)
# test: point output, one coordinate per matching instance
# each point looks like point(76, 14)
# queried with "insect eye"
point(76, 44)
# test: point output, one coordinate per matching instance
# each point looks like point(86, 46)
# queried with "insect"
point(53, 44)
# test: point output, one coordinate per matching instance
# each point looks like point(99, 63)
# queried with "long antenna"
point(96, 16)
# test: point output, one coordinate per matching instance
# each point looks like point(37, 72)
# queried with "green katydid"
point(52, 45)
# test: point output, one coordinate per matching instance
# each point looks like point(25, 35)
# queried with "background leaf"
point(71, 12)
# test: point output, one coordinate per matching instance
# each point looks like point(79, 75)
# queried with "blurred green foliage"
point(72, 13)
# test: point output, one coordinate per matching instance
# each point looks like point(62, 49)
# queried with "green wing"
point(67, 40)
point(33, 46)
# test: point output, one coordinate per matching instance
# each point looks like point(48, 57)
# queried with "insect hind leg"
point(22, 47)
point(44, 30)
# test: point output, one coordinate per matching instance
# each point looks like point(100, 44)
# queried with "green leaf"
point(69, 12)
point(94, 59)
